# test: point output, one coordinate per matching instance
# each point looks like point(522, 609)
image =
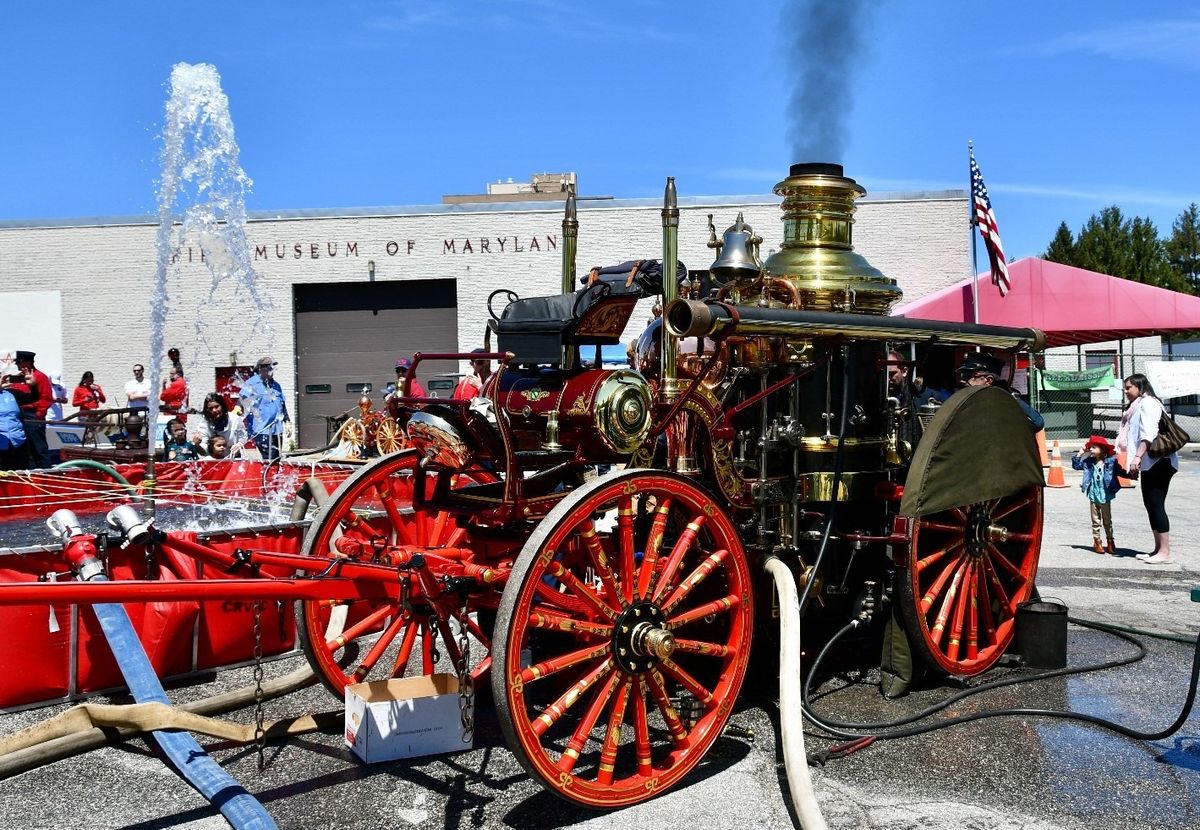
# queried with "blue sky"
point(1072, 106)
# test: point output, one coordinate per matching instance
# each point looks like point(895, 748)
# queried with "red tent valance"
point(1071, 305)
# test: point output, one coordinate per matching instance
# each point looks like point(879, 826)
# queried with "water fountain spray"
point(201, 203)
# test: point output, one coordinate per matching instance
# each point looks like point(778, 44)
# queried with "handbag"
point(1171, 437)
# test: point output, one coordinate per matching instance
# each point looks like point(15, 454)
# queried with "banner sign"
point(1173, 378)
point(1098, 378)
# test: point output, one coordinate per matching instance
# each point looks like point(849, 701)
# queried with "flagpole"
point(971, 230)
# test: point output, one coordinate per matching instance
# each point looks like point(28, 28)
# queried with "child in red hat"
point(1098, 461)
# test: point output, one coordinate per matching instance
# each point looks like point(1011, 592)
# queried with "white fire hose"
point(791, 718)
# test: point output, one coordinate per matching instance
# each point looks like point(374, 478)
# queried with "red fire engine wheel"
point(968, 569)
point(622, 639)
point(349, 641)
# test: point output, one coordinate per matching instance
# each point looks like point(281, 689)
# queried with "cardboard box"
point(404, 718)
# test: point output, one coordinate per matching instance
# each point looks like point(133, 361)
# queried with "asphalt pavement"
point(998, 773)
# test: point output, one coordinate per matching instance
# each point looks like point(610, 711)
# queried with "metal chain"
point(466, 684)
point(260, 735)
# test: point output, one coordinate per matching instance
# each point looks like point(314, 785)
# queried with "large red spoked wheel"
point(349, 641)
point(968, 569)
point(623, 636)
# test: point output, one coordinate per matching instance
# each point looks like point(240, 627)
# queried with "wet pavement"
point(1002, 773)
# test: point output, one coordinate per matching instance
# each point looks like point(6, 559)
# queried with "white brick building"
point(79, 292)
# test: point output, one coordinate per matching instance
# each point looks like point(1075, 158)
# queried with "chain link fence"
point(1072, 414)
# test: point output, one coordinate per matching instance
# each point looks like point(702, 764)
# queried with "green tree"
point(1062, 246)
point(1103, 244)
point(1146, 258)
point(1183, 248)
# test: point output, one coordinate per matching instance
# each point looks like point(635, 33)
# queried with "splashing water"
point(203, 181)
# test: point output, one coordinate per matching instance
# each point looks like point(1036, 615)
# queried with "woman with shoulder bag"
point(1139, 428)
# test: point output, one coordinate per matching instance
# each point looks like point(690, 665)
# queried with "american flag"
point(984, 218)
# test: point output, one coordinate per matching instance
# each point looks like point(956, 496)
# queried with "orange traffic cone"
point(1054, 476)
point(1124, 482)
point(1041, 445)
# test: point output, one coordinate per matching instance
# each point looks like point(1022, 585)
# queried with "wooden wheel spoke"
point(578, 589)
point(658, 691)
point(997, 555)
point(599, 560)
point(983, 602)
point(571, 696)
point(406, 646)
point(972, 615)
point(688, 682)
point(701, 647)
point(641, 731)
point(560, 622)
point(682, 545)
point(959, 514)
point(693, 579)
point(925, 561)
point(625, 552)
point(1001, 595)
point(612, 735)
point(717, 606)
point(377, 650)
point(393, 512)
point(564, 661)
point(654, 540)
point(365, 624)
point(935, 590)
point(938, 629)
point(961, 600)
point(587, 723)
point(1013, 507)
point(949, 527)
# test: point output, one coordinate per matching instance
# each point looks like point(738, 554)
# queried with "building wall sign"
point(406, 247)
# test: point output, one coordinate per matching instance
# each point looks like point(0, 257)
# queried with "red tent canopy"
point(1071, 305)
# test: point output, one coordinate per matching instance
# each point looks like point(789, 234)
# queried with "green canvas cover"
point(978, 446)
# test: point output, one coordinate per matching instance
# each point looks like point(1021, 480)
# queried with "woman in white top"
point(1139, 428)
point(218, 420)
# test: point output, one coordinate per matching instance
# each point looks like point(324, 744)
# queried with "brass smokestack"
point(817, 257)
point(570, 232)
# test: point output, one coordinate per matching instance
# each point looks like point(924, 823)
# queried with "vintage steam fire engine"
point(615, 614)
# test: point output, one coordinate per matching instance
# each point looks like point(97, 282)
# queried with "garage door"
point(348, 337)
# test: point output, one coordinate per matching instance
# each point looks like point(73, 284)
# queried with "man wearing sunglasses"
point(981, 369)
point(265, 409)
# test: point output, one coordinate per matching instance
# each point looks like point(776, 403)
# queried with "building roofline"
point(584, 204)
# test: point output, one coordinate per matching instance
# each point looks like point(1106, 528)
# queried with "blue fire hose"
point(239, 807)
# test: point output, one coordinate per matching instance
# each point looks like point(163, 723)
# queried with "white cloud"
point(1175, 42)
point(547, 17)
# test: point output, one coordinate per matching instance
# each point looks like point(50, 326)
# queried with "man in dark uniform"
point(34, 413)
point(981, 369)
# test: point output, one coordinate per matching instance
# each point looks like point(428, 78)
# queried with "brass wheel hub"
point(980, 532)
point(640, 638)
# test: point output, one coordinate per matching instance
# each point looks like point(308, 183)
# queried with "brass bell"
point(738, 257)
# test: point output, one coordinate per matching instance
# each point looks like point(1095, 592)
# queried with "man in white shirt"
point(137, 391)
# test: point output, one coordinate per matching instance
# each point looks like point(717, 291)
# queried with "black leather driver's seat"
point(536, 329)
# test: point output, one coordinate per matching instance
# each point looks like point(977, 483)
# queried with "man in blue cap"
point(265, 409)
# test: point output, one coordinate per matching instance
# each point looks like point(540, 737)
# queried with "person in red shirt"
point(88, 394)
point(471, 386)
point(34, 413)
point(174, 396)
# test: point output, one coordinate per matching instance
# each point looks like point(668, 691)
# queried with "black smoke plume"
point(823, 42)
